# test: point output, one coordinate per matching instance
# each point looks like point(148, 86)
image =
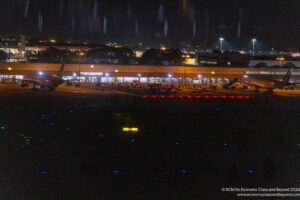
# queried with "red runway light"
point(162, 96)
point(223, 97)
point(153, 96)
point(180, 96)
point(214, 97)
point(246, 97)
point(145, 96)
point(206, 97)
point(231, 97)
point(198, 97)
point(239, 97)
point(171, 96)
point(188, 96)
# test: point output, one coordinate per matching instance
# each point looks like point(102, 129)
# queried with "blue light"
point(298, 145)
point(100, 135)
point(217, 109)
point(68, 129)
point(250, 171)
point(177, 143)
point(93, 110)
point(51, 123)
point(183, 171)
point(43, 116)
point(71, 111)
point(115, 171)
point(53, 113)
point(225, 144)
point(44, 172)
point(133, 140)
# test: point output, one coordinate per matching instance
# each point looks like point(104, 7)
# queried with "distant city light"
point(53, 41)
point(106, 74)
point(41, 73)
point(9, 68)
point(199, 76)
point(221, 39)
point(74, 74)
point(92, 66)
point(170, 75)
point(213, 72)
point(116, 70)
point(139, 74)
point(245, 76)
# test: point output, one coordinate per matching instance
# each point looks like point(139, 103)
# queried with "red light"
point(206, 97)
point(239, 97)
point(214, 97)
point(188, 96)
point(180, 96)
point(145, 96)
point(153, 96)
point(162, 96)
point(246, 97)
point(231, 97)
point(198, 97)
point(171, 96)
point(223, 97)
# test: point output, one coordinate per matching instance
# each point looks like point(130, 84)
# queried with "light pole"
point(199, 77)
point(139, 75)
point(280, 59)
point(170, 77)
point(79, 58)
point(253, 46)
point(107, 75)
point(221, 44)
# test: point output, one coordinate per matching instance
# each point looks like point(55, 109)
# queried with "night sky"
point(175, 23)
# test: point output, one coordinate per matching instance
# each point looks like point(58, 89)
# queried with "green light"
point(22, 134)
point(27, 142)
point(2, 128)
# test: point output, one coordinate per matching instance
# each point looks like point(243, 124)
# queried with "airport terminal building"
point(141, 73)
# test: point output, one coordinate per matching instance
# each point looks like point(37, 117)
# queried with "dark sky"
point(275, 23)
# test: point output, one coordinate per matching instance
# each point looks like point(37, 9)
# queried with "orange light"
point(52, 41)
point(280, 58)
point(213, 72)
point(9, 68)
point(81, 54)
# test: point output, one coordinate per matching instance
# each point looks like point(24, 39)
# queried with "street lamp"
point(139, 75)
point(199, 77)
point(280, 59)
point(79, 58)
point(253, 46)
point(107, 75)
point(221, 44)
point(170, 77)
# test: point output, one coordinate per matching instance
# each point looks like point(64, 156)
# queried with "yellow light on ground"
point(213, 72)
point(81, 54)
point(9, 68)
point(52, 41)
point(116, 70)
point(126, 129)
point(134, 129)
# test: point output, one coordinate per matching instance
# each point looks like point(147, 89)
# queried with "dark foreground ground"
point(69, 145)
